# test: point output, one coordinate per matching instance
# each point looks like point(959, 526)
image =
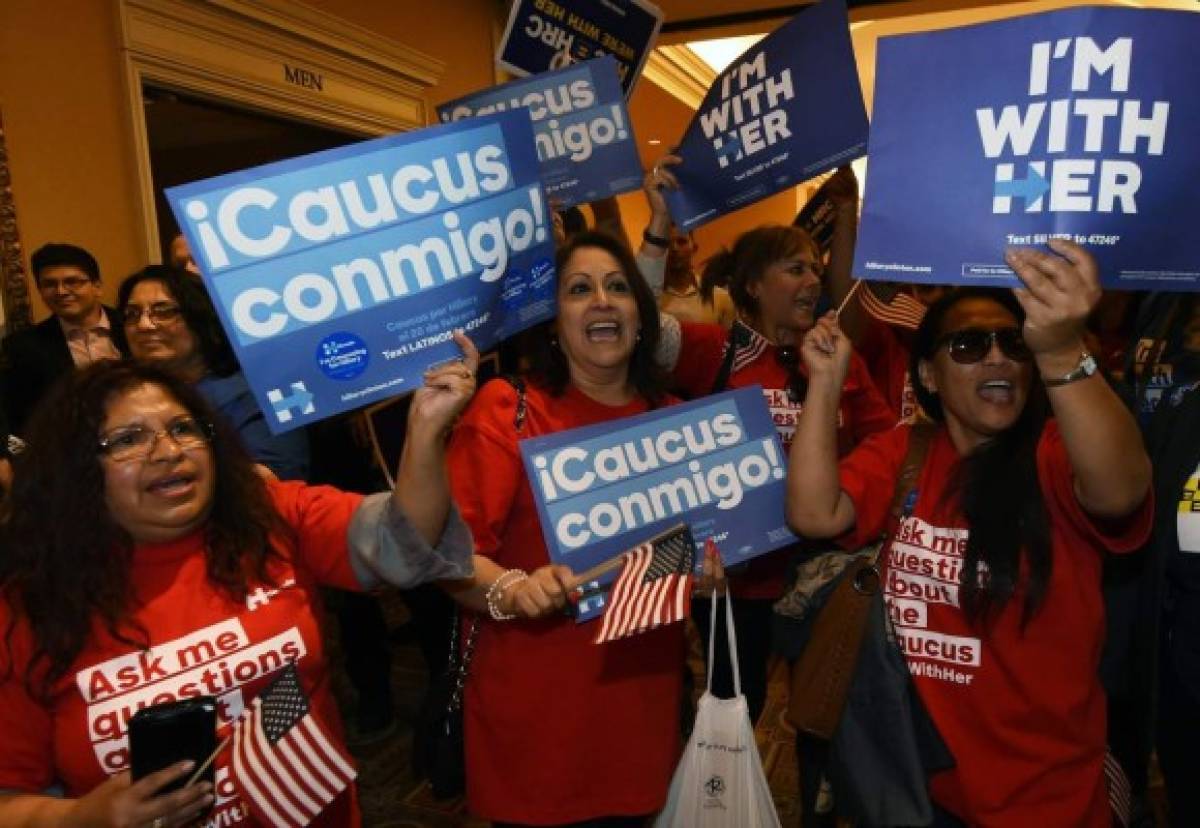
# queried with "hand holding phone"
point(121, 801)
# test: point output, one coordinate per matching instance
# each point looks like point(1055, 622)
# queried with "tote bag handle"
point(732, 636)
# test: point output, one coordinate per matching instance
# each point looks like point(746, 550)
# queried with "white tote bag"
point(720, 782)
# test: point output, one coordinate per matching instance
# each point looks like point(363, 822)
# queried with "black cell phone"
point(163, 734)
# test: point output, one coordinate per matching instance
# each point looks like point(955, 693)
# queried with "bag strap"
point(920, 436)
point(518, 384)
point(464, 659)
point(731, 640)
point(731, 347)
point(821, 677)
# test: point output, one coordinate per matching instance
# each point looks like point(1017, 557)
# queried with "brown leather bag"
point(820, 678)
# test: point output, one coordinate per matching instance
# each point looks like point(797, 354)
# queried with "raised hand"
point(658, 179)
point(447, 390)
point(1058, 294)
point(842, 187)
point(826, 351)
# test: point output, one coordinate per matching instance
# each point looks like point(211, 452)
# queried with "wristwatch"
point(657, 241)
point(1087, 367)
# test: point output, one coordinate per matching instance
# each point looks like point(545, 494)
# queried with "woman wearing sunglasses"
point(992, 577)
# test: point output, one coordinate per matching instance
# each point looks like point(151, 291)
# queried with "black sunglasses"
point(789, 357)
point(971, 345)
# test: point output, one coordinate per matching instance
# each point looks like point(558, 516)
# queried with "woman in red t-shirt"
point(147, 560)
point(774, 274)
point(560, 730)
point(992, 577)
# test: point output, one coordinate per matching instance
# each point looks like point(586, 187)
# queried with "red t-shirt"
point(885, 350)
point(1022, 711)
point(201, 643)
point(862, 412)
point(558, 729)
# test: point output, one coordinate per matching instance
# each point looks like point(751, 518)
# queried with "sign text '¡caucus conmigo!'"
point(254, 222)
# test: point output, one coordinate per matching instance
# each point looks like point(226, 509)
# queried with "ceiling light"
point(723, 51)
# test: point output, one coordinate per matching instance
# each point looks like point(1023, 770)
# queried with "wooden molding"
point(14, 289)
point(277, 56)
point(680, 72)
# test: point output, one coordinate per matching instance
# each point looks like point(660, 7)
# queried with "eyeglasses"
point(71, 283)
point(971, 345)
point(138, 442)
point(789, 357)
point(161, 313)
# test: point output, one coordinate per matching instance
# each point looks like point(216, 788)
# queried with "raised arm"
point(413, 535)
point(422, 490)
point(1112, 471)
point(659, 178)
point(842, 190)
point(816, 505)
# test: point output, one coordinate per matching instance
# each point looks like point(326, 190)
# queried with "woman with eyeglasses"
point(169, 321)
point(992, 577)
point(144, 560)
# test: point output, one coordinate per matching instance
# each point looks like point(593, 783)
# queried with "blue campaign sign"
point(1078, 123)
point(715, 464)
point(788, 109)
point(580, 124)
point(339, 276)
point(543, 35)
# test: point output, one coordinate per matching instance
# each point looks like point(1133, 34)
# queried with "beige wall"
point(459, 32)
point(69, 142)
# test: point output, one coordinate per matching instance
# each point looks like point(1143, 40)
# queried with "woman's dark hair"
point(548, 364)
point(755, 250)
point(996, 484)
point(65, 563)
point(196, 307)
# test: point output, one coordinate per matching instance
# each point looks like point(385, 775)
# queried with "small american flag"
point(654, 587)
point(886, 302)
point(285, 766)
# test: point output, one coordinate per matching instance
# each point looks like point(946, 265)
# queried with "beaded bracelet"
point(496, 592)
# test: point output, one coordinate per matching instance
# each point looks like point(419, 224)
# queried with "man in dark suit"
point(81, 331)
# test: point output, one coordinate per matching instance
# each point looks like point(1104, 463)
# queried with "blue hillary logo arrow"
point(299, 400)
point(1030, 188)
point(728, 148)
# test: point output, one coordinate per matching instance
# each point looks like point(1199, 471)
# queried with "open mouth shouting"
point(997, 391)
point(603, 331)
point(173, 486)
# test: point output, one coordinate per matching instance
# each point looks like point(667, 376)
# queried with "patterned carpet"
point(392, 799)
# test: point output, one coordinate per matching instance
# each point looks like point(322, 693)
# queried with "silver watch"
point(1087, 367)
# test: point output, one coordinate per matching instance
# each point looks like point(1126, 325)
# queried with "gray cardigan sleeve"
point(385, 548)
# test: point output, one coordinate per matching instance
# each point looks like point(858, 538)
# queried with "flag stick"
point(200, 770)
point(850, 295)
point(614, 563)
